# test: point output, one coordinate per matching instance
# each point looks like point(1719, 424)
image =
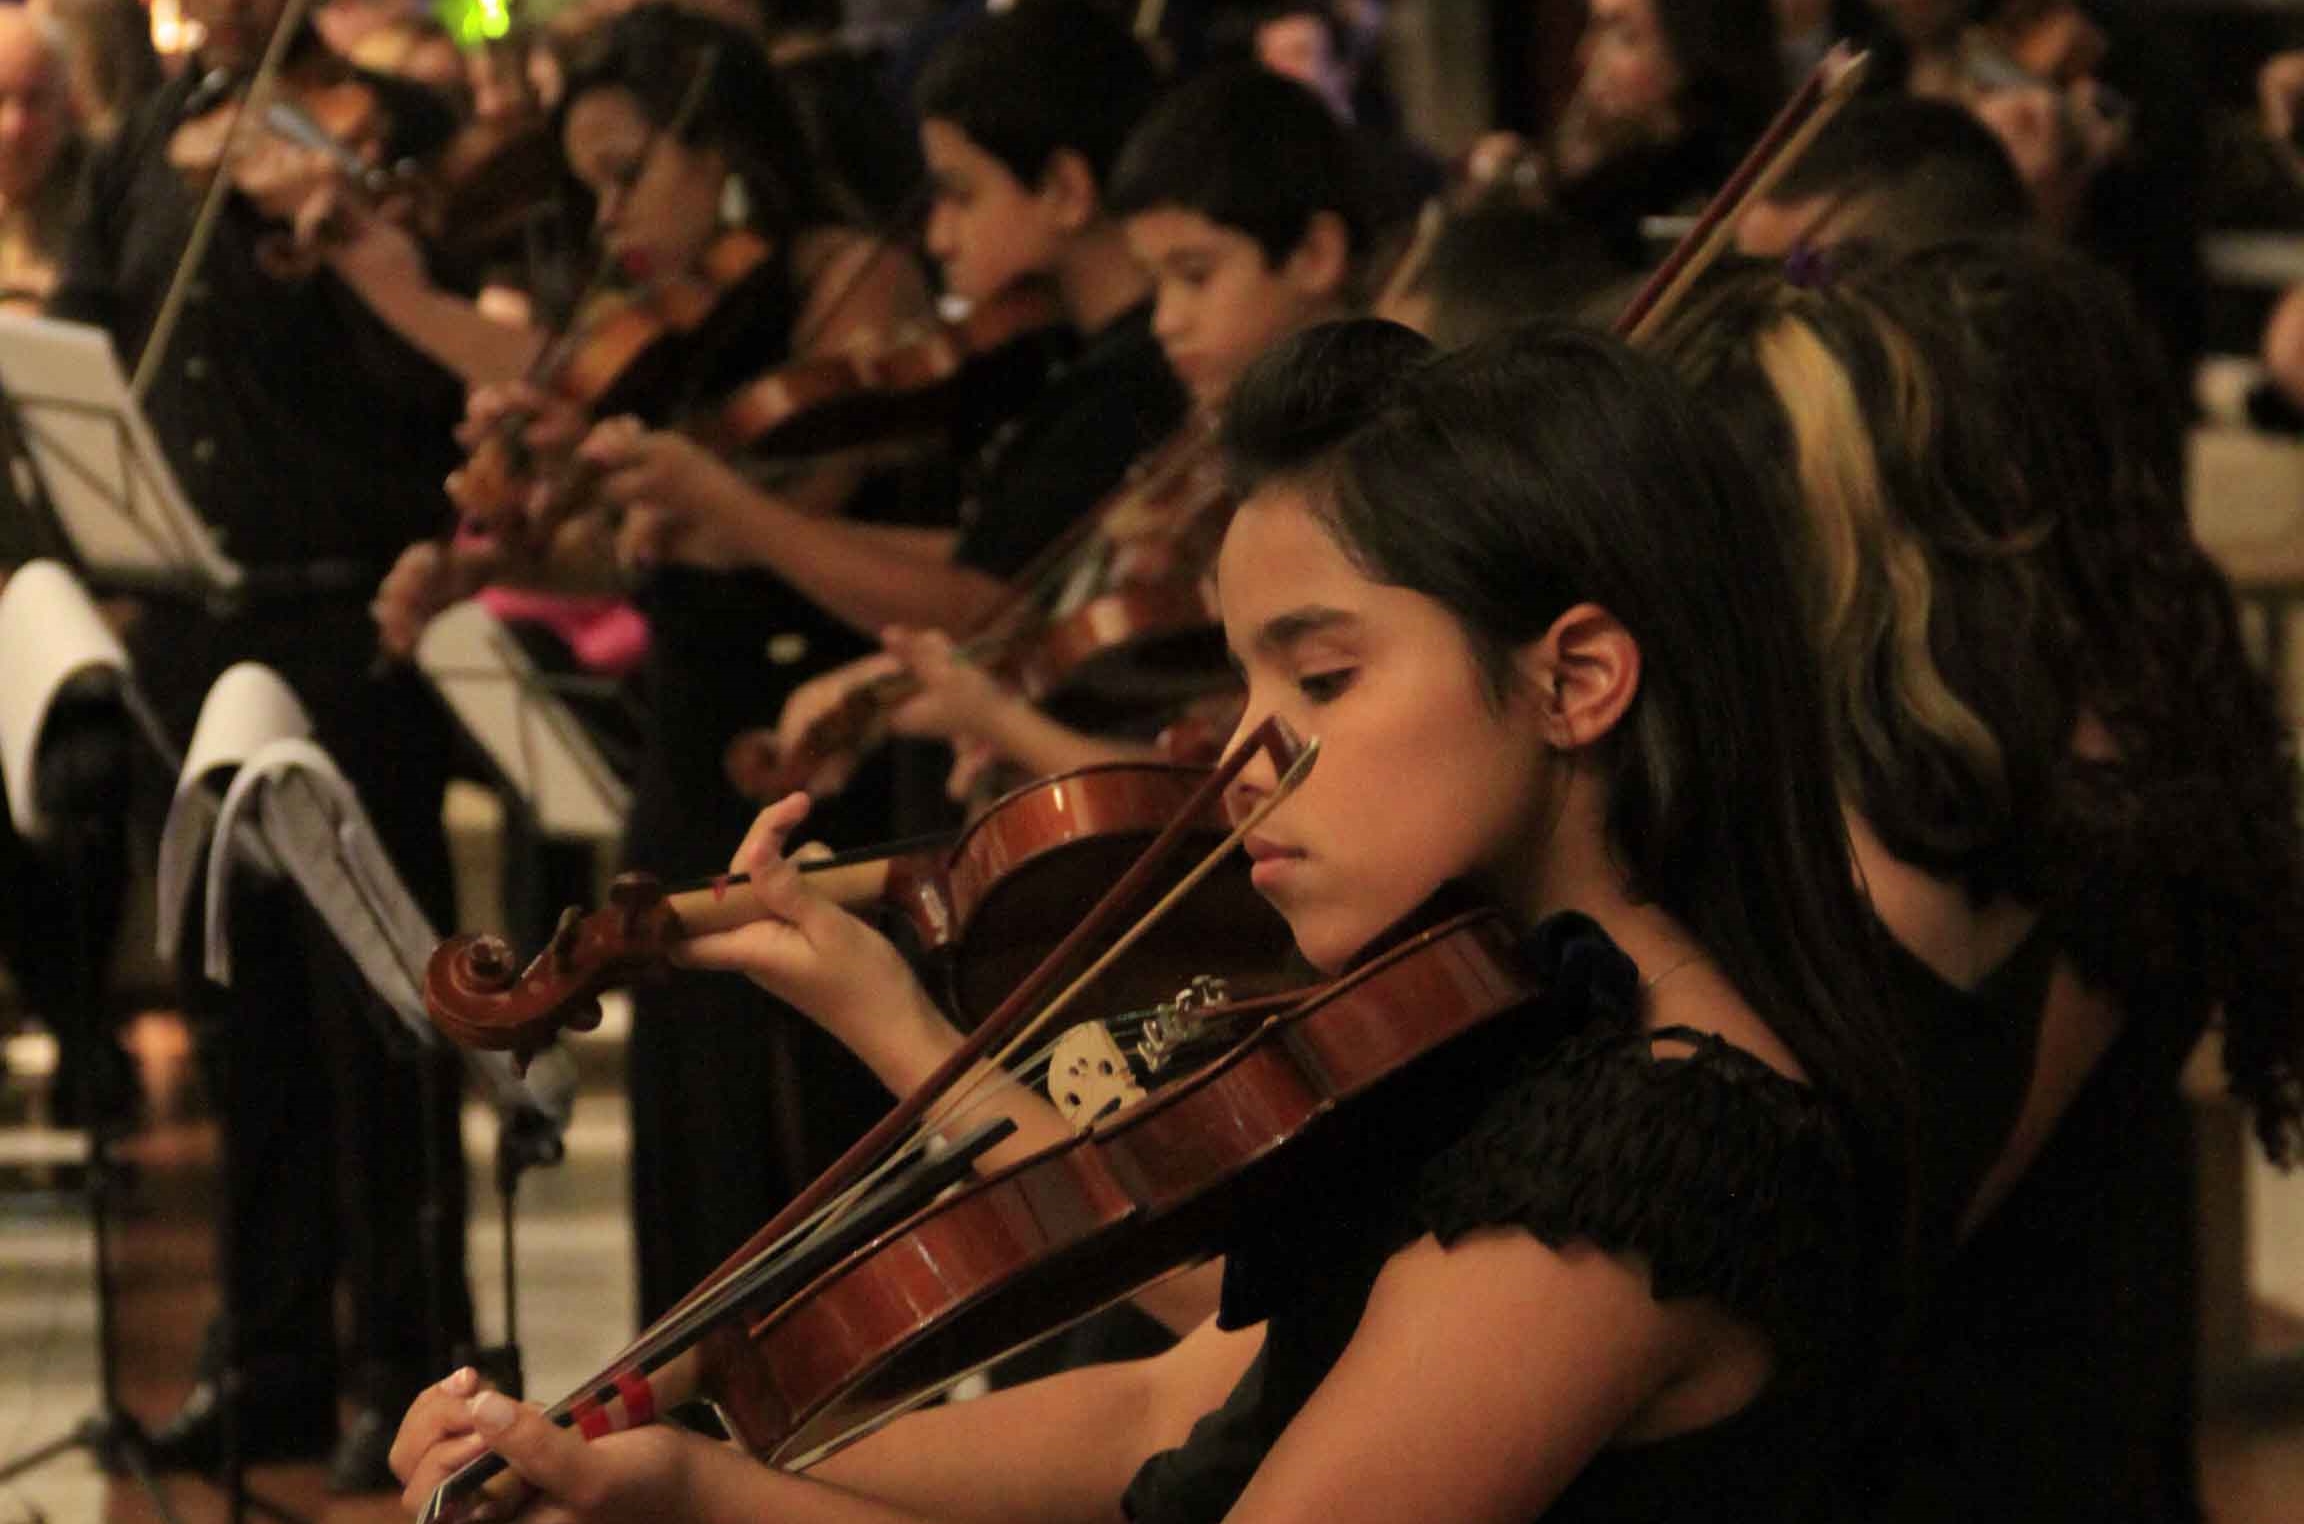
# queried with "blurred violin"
point(317, 123)
point(814, 405)
point(623, 348)
point(907, 383)
point(1113, 616)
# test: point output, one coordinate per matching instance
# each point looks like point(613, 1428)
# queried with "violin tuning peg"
point(564, 937)
point(634, 894)
point(489, 962)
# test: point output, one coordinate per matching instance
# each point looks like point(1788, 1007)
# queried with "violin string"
point(945, 1110)
point(1288, 783)
point(652, 1347)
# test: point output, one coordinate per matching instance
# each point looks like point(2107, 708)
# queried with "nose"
point(1255, 781)
point(609, 209)
point(1167, 314)
point(937, 236)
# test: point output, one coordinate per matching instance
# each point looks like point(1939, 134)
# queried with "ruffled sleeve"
point(1730, 1180)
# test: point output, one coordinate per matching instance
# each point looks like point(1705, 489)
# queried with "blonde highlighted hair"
point(1841, 409)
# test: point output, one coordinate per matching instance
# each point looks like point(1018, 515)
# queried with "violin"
point(1145, 1190)
point(991, 904)
point(876, 1288)
point(1112, 616)
point(625, 349)
point(319, 104)
point(903, 385)
point(826, 402)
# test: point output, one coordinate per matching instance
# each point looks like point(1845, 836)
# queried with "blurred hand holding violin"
point(308, 150)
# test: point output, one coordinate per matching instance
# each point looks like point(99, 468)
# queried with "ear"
point(1068, 191)
point(1582, 674)
point(1320, 266)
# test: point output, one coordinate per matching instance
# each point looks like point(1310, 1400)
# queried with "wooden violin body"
point(826, 403)
point(1140, 1195)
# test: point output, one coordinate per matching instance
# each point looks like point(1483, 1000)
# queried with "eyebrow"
point(1284, 630)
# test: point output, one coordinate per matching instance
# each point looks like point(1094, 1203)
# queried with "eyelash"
point(1325, 687)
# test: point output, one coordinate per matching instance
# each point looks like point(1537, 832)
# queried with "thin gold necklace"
point(1647, 986)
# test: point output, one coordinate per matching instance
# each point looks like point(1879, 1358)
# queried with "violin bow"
point(889, 236)
point(623, 1395)
point(1828, 87)
point(284, 31)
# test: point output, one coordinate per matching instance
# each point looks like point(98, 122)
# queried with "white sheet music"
point(289, 796)
point(50, 633)
point(538, 746)
point(248, 708)
point(115, 497)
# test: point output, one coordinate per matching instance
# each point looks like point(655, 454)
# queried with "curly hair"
point(2177, 875)
point(1945, 732)
point(2003, 425)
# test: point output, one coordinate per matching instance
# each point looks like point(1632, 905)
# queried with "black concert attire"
point(737, 1100)
point(2059, 1363)
point(1971, 1052)
point(315, 441)
point(1569, 1121)
point(53, 895)
point(1071, 446)
point(1104, 401)
point(2055, 1370)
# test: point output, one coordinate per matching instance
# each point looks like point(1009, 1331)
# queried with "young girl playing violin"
point(1021, 117)
point(1612, 1257)
point(676, 135)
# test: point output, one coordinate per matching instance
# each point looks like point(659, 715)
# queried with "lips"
point(1272, 862)
point(1264, 849)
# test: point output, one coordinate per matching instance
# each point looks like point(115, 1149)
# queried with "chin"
point(1328, 942)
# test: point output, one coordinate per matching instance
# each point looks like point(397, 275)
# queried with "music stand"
point(247, 708)
point(86, 469)
point(538, 747)
point(64, 657)
point(557, 782)
point(290, 796)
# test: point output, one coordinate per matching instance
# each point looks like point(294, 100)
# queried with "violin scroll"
point(480, 999)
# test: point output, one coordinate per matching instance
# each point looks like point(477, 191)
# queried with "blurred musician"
point(313, 436)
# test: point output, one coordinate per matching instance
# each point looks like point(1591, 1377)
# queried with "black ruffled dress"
point(1572, 1122)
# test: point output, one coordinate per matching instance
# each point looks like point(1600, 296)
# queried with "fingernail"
point(492, 1411)
point(460, 1382)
